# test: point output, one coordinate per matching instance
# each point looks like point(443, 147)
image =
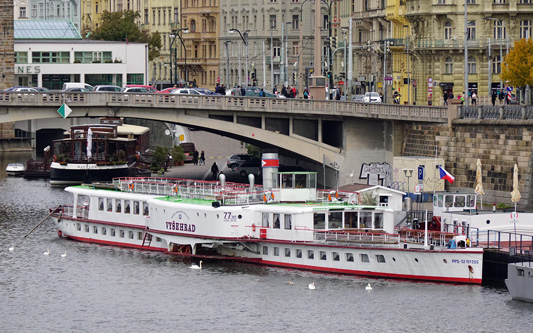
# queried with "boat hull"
point(72, 173)
point(519, 281)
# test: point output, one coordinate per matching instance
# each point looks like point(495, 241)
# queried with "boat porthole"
point(393, 259)
point(445, 261)
point(488, 222)
point(217, 216)
point(239, 216)
point(416, 259)
point(205, 214)
point(197, 214)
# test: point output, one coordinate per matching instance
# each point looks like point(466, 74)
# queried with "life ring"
point(336, 195)
point(175, 189)
point(253, 227)
point(268, 196)
point(131, 186)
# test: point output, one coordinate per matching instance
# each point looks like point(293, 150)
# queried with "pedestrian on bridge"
point(202, 158)
point(214, 170)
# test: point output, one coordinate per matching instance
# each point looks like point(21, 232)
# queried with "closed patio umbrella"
point(479, 186)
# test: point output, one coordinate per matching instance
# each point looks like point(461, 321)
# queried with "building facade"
point(56, 10)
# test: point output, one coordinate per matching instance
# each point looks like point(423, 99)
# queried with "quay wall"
point(7, 66)
point(499, 144)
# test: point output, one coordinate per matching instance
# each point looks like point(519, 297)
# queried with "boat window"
point(121, 233)
point(140, 235)
point(95, 229)
point(131, 234)
point(136, 207)
point(86, 228)
point(288, 222)
point(276, 251)
point(336, 256)
point(112, 232)
point(323, 255)
point(460, 201)
point(471, 200)
point(118, 207)
point(109, 205)
point(157, 239)
point(378, 220)
point(380, 258)
point(350, 219)
point(435, 198)
point(100, 203)
point(319, 221)
point(366, 220)
point(145, 208)
point(520, 272)
point(78, 225)
point(310, 254)
point(287, 252)
point(265, 250)
point(127, 207)
point(312, 180)
point(449, 200)
point(101, 151)
point(104, 231)
point(266, 223)
point(349, 257)
point(364, 257)
point(276, 221)
point(300, 181)
point(298, 253)
point(286, 181)
point(335, 220)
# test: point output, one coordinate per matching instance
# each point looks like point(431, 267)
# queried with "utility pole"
point(227, 63)
point(350, 61)
point(264, 67)
point(282, 62)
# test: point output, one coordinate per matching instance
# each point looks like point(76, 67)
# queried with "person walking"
point(195, 157)
point(214, 170)
point(202, 158)
point(243, 91)
point(445, 97)
point(474, 98)
point(306, 94)
point(283, 91)
point(493, 97)
point(501, 96)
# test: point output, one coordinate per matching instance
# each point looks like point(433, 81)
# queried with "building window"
point(33, 10)
point(146, 16)
point(525, 2)
point(325, 22)
point(295, 22)
point(298, 253)
point(21, 58)
point(499, 30)
point(364, 257)
point(496, 65)
point(441, 2)
point(470, 2)
point(472, 65)
point(50, 57)
point(447, 30)
point(135, 78)
point(310, 254)
point(273, 22)
point(176, 15)
point(525, 29)
point(288, 222)
point(277, 49)
point(295, 48)
point(349, 257)
point(287, 252)
point(471, 30)
point(192, 27)
point(22, 12)
point(500, 2)
point(448, 65)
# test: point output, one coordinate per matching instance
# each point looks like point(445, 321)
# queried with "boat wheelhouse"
point(15, 169)
point(90, 153)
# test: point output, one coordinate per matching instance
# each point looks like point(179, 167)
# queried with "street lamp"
point(330, 60)
point(173, 60)
point(184, 30)
point(408, 74)
point(300, 58)
point(500, 26)
point(408, 173)
point(245, 41)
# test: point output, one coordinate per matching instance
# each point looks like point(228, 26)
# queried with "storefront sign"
point(28, 69)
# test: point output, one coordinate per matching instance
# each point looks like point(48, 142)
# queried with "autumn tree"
point(518, 65)
point(121, 26)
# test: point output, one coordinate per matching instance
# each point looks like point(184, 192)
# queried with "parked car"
point(358, 98)
point(249, 167)
point(372, 97)
point(68, 85)
point(238, 159)
point(185, 91)
point(167, 91)
point(107, 88)
point(41, 89)
point(142, 90)
point(148, 89)
point(205, 91)
point(76, 89)
point(22, 89)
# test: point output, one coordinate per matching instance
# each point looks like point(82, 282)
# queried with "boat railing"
point(437, 238)
point(338, 196)
point(81, 212)
point(229, 194)
point(359, 237)
point(514, 243)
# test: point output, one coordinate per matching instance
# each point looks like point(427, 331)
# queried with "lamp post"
point(245, 41)
point(500, 24)
point(330, 60)
point(408, 74)
point(173, 60)
point(300, 58)
point(408, 173)
point(227, 62)
point(184, 30)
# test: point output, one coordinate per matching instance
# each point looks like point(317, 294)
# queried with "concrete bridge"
point(343, 135)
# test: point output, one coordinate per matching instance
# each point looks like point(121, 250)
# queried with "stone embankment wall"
point(499, 145)
point(7, 65)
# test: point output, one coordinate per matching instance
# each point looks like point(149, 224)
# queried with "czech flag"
point(446, 175)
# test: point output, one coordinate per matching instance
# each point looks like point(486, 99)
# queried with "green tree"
point(121, 26)
point(517, 68)
point(253, 150)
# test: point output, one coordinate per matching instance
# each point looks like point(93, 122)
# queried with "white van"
point(68, 85)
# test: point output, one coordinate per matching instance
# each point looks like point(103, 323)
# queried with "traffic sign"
point(418, 188)
point(421, 172)
point(218, 79)
point(509, 88)
point(514, 217)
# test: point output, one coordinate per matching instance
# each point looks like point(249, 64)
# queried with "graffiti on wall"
point(377, 174)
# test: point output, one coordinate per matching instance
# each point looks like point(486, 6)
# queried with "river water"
point(109, 289)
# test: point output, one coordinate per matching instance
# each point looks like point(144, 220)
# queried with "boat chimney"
point(251, 180)
point(222, 178)
point(269, 164)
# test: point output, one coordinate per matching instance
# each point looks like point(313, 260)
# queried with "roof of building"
point(50, 29)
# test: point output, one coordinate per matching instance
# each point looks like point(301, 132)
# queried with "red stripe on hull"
point(103, 242)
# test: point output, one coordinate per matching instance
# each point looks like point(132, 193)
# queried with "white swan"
point(194, 266)
point(368, 287)
point(64, 254)
point(312, 286)
point(47, 252)
point(12, 248)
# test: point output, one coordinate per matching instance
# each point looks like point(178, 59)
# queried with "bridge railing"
point(227, 103)
point(495, 112)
